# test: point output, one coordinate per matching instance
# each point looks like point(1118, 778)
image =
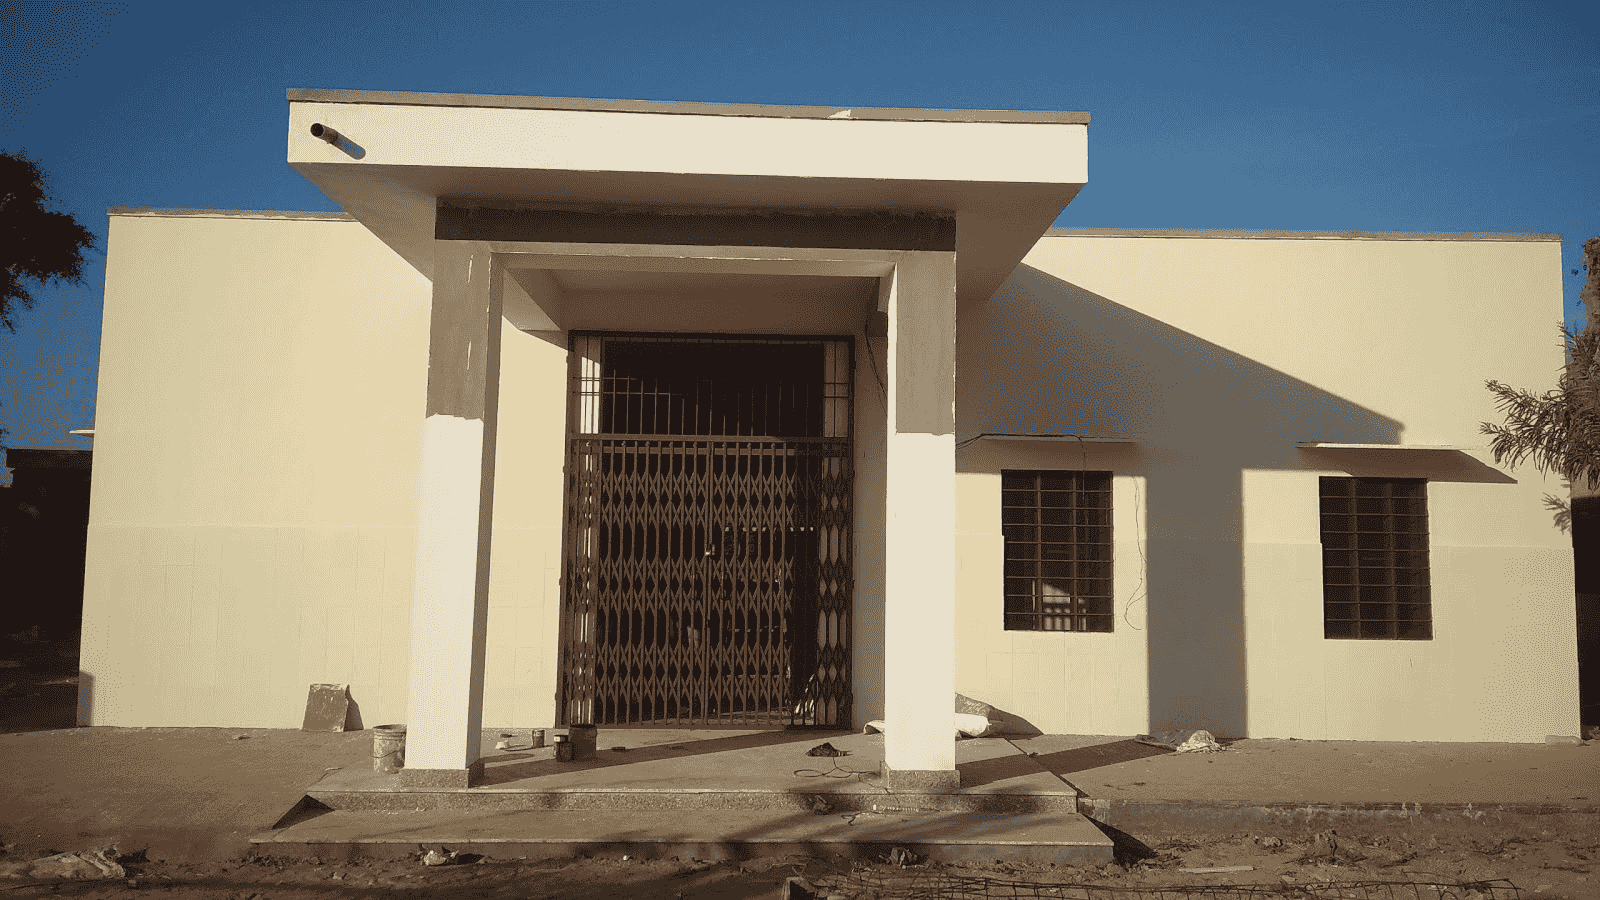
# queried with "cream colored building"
point(740, 415)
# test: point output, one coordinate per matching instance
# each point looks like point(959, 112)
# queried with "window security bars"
point(1375, 559)
point(708, 579)
point(1057, 527)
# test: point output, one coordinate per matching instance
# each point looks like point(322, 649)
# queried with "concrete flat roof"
point(673, 107)
point(1255, 234)
point(1221, 233)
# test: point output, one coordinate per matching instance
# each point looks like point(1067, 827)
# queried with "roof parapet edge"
point(292, 214)
point(691, 108)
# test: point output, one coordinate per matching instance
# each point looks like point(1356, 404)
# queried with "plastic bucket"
point(583, 739)
point(388, 748)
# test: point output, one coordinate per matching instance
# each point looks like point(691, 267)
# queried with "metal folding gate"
point(707, 576)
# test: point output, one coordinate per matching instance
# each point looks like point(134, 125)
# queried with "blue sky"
point(1372, 117)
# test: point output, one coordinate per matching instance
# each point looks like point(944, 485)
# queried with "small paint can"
point(388, 748)
point(563, 748)
point(538, 738)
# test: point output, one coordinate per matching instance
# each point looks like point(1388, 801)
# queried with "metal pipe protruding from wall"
point(319, 130)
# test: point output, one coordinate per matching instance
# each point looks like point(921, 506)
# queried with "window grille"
point(1057, 527)
point(1375, 559)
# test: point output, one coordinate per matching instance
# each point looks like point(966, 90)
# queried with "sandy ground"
point(1533, 865)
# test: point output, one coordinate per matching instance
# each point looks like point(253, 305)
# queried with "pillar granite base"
point(922, 781)
point(442, 778)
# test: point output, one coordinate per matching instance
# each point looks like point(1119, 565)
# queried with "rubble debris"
point(1000, 721)
point(1182, 740)
point(439, 857)
point(826, 749)
point(820, 805)
point(971, 725)
point(1324, 846)
point(797, 888)
point(1562, 739)
point(85, 864)
point(327, 707)
point(902, 857)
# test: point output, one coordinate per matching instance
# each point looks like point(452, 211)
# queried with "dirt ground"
point(1531, 863)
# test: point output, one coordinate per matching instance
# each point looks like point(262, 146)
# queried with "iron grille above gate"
point(707, 575)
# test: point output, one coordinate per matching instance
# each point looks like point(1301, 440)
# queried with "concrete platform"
point(712, 770)
point(706, 795)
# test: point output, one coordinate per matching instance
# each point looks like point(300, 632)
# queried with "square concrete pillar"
point(919, 543)
point(455, 515)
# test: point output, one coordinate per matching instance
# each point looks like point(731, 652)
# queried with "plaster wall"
point(1217, 356)
point(253, 523)
point(253, 511)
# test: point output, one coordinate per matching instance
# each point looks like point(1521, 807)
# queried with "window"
point(1375, 559)
point(1057, 527)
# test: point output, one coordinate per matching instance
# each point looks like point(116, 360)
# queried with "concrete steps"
point(707, 834)
point(691, 799)
point(707, 798)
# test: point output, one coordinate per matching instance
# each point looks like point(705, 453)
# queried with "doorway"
point(707, 575)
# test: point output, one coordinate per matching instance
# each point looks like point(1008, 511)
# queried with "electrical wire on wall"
point(1144, 564)
point(866, 337)
point(1022, 434)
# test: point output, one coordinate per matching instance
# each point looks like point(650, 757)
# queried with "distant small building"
point(703, 415)
point(44, 517)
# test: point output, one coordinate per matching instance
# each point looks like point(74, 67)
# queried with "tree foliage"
point(36, 243)
point(1559, 430)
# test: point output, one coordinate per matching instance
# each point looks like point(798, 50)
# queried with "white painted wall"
point(253, 522)
point(1217, 355)
point(261, 411)
point(253, 512)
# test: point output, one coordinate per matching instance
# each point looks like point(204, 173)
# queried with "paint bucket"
point(388, 748)
point(583, 739)
point(538, 738)
point(563, 749)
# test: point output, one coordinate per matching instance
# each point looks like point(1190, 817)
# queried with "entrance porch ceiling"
point(1004, 176)
point(555, 299)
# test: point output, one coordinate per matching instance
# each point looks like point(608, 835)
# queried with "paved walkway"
point(1290, 771)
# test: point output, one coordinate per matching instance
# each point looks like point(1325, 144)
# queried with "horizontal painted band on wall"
point(841, 231)
point(1328, 445)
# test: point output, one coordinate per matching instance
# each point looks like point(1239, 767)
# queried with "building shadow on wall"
point(1047, 356)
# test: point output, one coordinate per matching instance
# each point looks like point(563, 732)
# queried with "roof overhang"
point(1002, 176)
